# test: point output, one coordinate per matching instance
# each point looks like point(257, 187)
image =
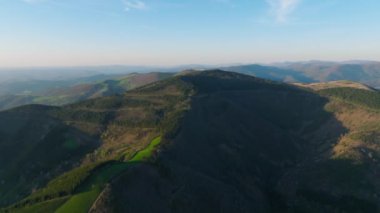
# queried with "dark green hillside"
point(34, 147)
point(212, 141)
point(48, 141)
point(235, 147)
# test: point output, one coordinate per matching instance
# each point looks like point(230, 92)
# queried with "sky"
point(174, 32)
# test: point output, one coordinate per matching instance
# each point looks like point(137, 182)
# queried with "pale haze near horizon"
point(168, 32)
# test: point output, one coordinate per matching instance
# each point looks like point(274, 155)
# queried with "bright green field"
point(80, 202)
point(147, 152)
point(91, 188)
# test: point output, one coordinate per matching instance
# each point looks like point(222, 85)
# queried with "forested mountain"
point(210, 141)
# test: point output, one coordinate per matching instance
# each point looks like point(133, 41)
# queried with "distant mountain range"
point(367, 72)
point(272, 73)
point(364, 72)
point(49, 87)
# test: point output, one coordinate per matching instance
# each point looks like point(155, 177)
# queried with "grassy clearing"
point(93, 186)
point(147, 152)
point(80, 202)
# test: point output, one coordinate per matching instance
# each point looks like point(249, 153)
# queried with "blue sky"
point(171, 32)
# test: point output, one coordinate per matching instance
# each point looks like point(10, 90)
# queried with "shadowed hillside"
point(34, 147)
point(51, 140)
point(235, 150)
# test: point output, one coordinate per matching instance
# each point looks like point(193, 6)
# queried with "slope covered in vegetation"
point(250, 145)
point(370, 99)
point(230, 143)
point(115, 128)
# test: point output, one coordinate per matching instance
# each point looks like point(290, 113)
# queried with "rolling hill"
point(271, 72)
point(209, 141)
point(366, 72)
point(61, 93)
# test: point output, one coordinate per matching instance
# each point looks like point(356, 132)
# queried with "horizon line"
point(352, 61)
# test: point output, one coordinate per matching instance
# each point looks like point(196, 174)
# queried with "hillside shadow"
point(238, 140)
point(244, 145)
point(35, 147)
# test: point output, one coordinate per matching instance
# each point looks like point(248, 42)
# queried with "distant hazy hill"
point(364, 72)
point(21, 86)
point(271, 72)
point(36, 79)
point(65, 92)
point(208, 141)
